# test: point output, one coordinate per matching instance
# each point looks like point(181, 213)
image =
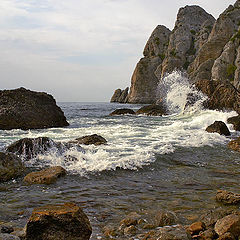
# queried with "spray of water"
point(179, 95)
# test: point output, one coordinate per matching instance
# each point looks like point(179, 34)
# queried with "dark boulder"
point(62, 222)
point(235, 144)
point(90, 139)
point(152, 110)
point(235, 121)
point(122, 111)
point(227, 198)
point(25, 109)
point(218, 127)
point(46, 176)
point(31, 147)
point(10, 166)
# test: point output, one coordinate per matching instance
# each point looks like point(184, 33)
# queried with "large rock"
point(46, 176)
point(227, 198)
point(90, 139)
point(62, 222)
point(235, 121)
point(144, 80)
point(218, 127)
point(235, 144)
point(116, 95)
point(120, 96)
point(122, 111)
point(25, 109)
point(183, 43)
point(230, 223)
point(153, 110)
point(10, 166)
point(31, 147)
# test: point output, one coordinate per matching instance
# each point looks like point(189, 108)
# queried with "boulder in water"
point(25, 109)
point(235, 121)
point(90, 139)
point(46, 176)
point(31, 147)
point(10, 166)
point(122, 111)
point(218, 127)
point(235, 144)
point(227, 198)
point(62, 222)
point(152, 110)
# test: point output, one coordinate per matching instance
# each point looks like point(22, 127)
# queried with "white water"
point(133, 141)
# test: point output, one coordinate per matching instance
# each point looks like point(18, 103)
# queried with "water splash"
point(179, 95)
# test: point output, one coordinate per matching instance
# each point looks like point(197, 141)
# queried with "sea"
point(149, 162)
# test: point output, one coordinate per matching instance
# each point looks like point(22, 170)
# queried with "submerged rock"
point(165, 218)
point(218, 127)
point(10, 166)
point(31, 147)
point(227, 198)
point(235, 121)
point(122, 111)
point(90, 139)
point(46, 176)
point(62, 222)
point(235, 144)
point(25, 109)
point(152, 110)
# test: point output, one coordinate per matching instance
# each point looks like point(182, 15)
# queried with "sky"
point(81, 50)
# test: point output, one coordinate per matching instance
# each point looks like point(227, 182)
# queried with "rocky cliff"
point(207, 49)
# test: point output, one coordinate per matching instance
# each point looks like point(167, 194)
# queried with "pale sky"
point(81, 50)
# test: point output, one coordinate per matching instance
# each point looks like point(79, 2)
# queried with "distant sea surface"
point(167, 162)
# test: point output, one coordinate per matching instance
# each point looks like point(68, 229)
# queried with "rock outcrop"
point(46, 176)
point(10, 166)
point(227, 198)
point(120, 96)
point(25, 109)
point(90, 139)
point(235, 121)
point(62, 222)
point(208, 49)
point(122, 111)
point(152, 110)
point(218, 127)
point(235, 144)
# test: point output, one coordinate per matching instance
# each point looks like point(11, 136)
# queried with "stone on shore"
point(235, 144)
point(25, 109)
point(235, 121)
point(227, 198)
point(61, 222)
point(230, 223)
point(10, 166)
point(46, 176)
point(218, 127)
point(196, 227)
point(90, 139)
point(31, 147)
point(122, 111)
point(152, 110)
point(165, 218)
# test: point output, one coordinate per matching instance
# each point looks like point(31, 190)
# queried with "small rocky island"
point(25, 109)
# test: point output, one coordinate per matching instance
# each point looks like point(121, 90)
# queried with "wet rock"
point(25, 109)
point(10, 166)
point(235, 121)
point(165, 218)
point(227, 198)
point(218, 127)
point(31, 147)
point(62, 222)
point(227, 236)
point(230, 223)
point(235, 144)
point(6, 229)
point(153, 110)
point(122, 112)
point(5, 236)
point(46, 176)
point(90, 139)
point(109, 231)
point(196, 227)
point(177, 232)
point(131, 219)
point(208, 234)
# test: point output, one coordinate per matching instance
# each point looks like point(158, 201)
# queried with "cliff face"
point(207, 49)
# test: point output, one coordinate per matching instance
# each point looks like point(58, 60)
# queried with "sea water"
point(148, 163)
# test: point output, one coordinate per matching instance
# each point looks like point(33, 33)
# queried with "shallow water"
point(149, 163)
